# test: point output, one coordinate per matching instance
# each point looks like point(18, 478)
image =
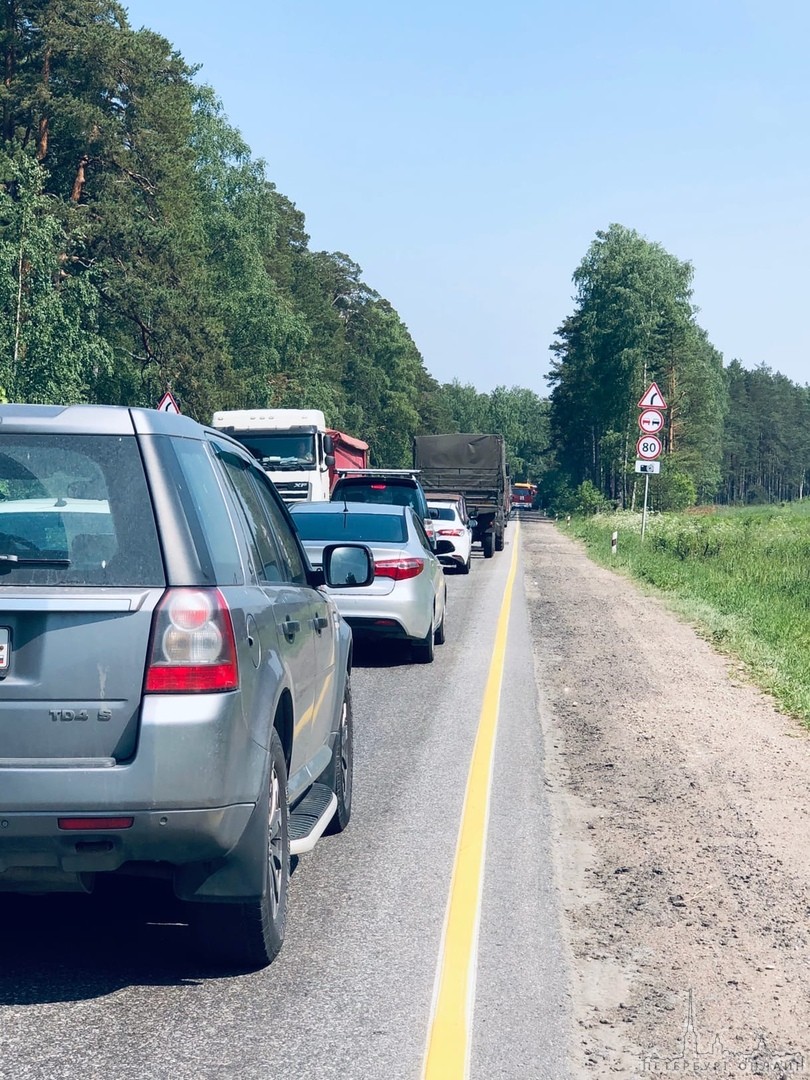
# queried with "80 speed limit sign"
point(649, 447)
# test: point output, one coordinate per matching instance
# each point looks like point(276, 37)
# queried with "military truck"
point(475, 466)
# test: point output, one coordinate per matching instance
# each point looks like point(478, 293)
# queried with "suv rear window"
point(75, 510)
point(373, 490)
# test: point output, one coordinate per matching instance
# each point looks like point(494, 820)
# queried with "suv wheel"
point(338, 776)
point(249, 935)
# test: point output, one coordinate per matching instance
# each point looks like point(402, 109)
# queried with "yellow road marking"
point(447, 1056)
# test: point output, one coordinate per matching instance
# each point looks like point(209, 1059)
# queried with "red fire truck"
point(523, 496)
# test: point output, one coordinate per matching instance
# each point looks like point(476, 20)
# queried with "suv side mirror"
point(347, 566)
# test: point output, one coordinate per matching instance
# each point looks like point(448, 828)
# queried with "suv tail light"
point(398, 569)
point(450, 532)
point(193, 648)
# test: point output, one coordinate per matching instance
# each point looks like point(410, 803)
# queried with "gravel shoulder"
point(681, 802)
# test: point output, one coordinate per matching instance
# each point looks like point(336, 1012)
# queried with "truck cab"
point(293, 446)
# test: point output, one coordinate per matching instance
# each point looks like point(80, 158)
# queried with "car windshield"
point(364, 528)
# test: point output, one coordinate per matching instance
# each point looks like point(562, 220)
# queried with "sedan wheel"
point(339, 775)
point(423, 649)
point(438, 636)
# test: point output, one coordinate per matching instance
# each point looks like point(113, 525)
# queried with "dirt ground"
point(682, 804)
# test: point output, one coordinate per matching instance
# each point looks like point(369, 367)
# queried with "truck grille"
point(293, 490)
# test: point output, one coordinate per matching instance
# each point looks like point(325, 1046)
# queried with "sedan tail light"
point(193, 648)
point(398, 569)
point(451, 532)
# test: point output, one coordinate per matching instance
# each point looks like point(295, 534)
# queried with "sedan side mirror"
point(347, 566)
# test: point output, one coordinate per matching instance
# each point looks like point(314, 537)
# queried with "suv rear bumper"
point(32, 846)
point(193, 790)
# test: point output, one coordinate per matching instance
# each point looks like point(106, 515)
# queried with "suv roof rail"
point(378, 472)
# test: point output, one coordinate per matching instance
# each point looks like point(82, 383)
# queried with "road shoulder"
point(679, 794)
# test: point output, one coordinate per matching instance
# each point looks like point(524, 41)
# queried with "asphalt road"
point(94, 987)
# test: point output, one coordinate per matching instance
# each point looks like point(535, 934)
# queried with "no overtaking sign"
point(650, 421)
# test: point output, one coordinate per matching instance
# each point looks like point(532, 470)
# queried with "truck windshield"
point(280, 450)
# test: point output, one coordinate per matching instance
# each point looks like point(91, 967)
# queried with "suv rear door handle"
point(290, 628)
point(320, 623)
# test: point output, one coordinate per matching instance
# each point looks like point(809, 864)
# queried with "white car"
point(408, 596)
point(451, 527)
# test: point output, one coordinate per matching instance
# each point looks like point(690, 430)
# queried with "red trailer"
point(349, 453)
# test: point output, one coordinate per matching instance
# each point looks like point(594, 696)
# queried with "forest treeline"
point(143, 247)
point(731, 435)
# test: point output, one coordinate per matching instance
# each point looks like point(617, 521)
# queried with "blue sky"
point(465, 154)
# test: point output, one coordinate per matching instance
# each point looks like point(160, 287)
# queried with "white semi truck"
point(295, 447)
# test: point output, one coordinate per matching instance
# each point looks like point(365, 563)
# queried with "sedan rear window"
point(75, 510)
point(363, 528)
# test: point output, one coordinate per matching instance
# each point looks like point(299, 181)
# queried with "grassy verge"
point(742, 577)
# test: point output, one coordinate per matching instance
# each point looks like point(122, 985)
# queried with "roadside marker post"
point(614, 542)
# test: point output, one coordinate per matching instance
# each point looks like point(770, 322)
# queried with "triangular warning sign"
point(168, 403)
point(653, 398)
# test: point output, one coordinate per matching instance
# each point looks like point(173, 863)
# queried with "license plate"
point(5, 648)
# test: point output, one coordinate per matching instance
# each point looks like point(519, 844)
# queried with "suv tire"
point(249, 935)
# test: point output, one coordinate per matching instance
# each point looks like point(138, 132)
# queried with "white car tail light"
point(398, 569)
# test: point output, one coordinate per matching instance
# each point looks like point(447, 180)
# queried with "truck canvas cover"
point(471, 464)
point(468, 452)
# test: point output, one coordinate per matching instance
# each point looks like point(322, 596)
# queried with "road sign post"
point(649, 446)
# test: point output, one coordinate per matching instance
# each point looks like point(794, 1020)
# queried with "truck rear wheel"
point(489, 544)
point(499, 540)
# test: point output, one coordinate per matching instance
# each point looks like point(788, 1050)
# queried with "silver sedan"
point(408, 597)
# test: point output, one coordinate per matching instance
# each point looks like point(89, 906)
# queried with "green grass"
point(742, 577)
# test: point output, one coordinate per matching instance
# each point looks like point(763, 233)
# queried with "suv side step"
point(310, 817)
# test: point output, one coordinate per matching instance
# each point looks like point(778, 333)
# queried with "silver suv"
point(174, 685)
